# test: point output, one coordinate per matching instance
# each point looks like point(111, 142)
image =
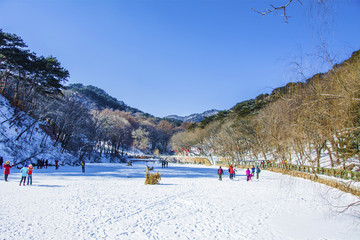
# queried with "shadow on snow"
point(113, 170)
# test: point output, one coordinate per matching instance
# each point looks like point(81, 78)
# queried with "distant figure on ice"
point(7, 169)
point(24, 171)
point(56, 164)
point(257, 172)
point(231, 171)
point(164, 164)
point(248, 175)
point(46, 163)
point(1, 162)
point(220, 172)
point(29, 175)
point(83, 166)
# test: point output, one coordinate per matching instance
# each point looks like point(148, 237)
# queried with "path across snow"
point(110, 201)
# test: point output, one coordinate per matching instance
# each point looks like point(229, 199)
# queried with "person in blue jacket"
point(253, 171)
point(257, 171)
point(24, 171)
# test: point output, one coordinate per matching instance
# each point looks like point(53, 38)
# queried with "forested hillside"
point(22, 139)
point(300, 123)
point(82, 120)
point(94, 97)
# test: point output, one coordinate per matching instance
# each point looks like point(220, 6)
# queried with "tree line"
point(300, 122)
point(35, 85)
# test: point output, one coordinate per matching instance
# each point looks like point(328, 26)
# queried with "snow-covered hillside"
point(31, 145)
point(196, 117)
point(110, 201)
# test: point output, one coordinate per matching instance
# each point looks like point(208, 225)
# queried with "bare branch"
point(276, 9)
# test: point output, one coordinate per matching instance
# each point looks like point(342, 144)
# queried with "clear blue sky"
point(182, 56)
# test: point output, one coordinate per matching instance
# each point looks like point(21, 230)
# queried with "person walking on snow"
point(1, 162)
point(257, 172)
point(220, 172)
point(252, 171)
point(83, 166)
point(231, 171)
point(248, 175)
point(7, 167)
point(29, 175)
point(24, 171)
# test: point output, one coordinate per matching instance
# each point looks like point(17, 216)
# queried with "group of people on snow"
point(42, 163)
point(26, 172)
point(164, 164)
point(232, 172)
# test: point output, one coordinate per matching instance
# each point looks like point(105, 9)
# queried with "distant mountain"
point(197, 117)
point(96, 98)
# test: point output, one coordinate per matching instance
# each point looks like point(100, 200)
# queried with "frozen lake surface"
point(110, 201)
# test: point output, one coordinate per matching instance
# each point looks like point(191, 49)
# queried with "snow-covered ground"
point(110, 201)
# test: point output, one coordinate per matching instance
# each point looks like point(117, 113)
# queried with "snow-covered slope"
point(196, 117)
point(31, 145)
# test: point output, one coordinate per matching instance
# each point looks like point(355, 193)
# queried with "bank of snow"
point(27, 147)
point(110, 201)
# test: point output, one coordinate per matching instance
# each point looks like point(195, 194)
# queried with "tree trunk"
point(25, 131)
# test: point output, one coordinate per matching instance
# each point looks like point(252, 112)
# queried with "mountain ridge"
point(97, 98)
point(195, 117)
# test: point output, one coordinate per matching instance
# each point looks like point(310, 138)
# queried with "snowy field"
point(110, 201)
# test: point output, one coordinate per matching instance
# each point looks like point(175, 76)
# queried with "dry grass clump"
point(152, 178)
point(195, 160)
point(198, 160)
point(141, 157)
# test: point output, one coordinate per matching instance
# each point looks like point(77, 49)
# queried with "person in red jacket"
point(29, 174)
point(231, 171)
point(7, 169)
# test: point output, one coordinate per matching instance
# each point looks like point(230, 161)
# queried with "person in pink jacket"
point(7, 169)
point(220, 173)
point(248, 175)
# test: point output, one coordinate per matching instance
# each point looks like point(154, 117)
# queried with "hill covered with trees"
point(95, 97)
point(300, 123)
point(83, 120)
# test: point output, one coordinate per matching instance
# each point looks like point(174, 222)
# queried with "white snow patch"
point(110, 201)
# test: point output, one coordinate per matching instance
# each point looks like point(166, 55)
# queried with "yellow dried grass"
point(195, 160)
point(152, 178)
